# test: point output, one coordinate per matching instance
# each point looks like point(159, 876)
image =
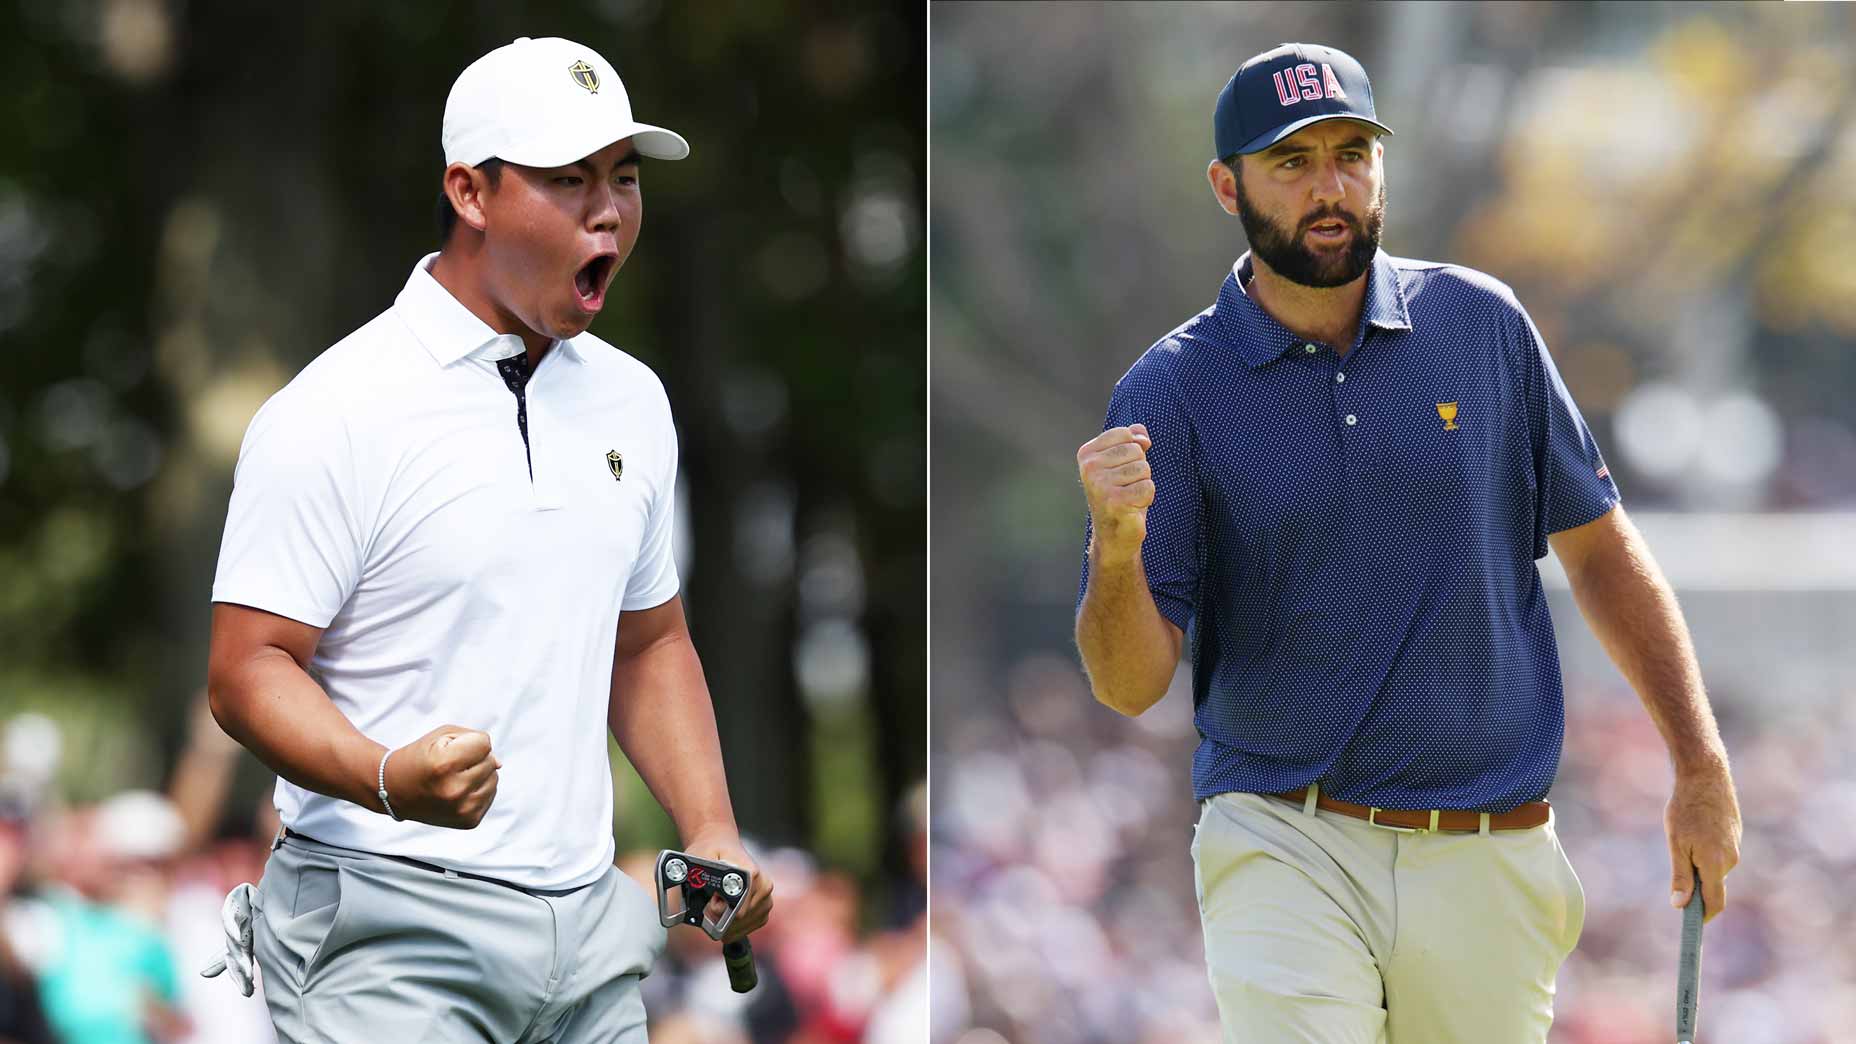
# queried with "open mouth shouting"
point(592, 279)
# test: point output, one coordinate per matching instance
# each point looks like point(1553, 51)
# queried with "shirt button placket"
point(1351, 447)
point(546, 484)
point(1340, 377)
point(515, 374)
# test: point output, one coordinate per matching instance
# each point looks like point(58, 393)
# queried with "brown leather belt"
point(1526, 817)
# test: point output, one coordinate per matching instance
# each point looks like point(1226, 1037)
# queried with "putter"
point(698, 882)
point(1688, 972)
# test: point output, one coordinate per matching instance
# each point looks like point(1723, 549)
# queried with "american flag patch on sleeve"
point(1604, 471)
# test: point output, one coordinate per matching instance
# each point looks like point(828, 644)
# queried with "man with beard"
point(446, 577)
point(1332, 485)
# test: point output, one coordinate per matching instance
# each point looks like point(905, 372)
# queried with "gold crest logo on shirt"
point(1447, 410)
point(585, 76)
point(615, 463)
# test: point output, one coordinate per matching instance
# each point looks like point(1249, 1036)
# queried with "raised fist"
point(446, 777)
point(1120, 488)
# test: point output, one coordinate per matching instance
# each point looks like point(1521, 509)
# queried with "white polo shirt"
point(385, 495)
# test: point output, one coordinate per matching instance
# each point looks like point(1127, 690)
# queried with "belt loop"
point(1314, 795)
point(1434, 814)
point(1485, 823)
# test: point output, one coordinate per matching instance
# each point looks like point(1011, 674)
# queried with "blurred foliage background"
point(1666, 187)
point(196, 198)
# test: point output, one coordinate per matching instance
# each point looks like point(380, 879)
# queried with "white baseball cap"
point(545, 103)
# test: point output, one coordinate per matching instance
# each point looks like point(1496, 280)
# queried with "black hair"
point(447, 214)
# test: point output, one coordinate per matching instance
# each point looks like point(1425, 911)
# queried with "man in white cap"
point(446, 574)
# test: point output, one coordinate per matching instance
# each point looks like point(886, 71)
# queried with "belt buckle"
point(1374, 811)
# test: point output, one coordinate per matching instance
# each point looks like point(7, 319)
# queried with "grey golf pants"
point(358, 947)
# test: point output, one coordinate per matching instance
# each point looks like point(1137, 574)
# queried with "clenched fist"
point(446, 777)
point(1119, 485)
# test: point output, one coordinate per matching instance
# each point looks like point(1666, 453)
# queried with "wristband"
point(383, 788)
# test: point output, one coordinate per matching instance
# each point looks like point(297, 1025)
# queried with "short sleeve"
point(654, 573)
point(1171, 554)
point(292, 543)
point(1573, 485)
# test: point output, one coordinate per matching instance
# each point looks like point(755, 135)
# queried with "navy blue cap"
point(1283, 90)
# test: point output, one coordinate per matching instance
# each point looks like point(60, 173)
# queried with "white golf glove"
point(235, 918)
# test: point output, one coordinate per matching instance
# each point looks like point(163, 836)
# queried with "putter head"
point(696, 883)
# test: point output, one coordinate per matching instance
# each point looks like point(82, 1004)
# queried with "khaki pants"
point(1324, 929)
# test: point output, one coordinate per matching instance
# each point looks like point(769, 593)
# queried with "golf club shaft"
point(1688, 972)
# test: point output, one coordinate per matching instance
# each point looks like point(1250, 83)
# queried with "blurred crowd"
point(1064, 909)
point(112, 908)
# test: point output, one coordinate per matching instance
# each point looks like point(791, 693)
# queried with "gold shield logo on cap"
point(615, 463)
point(585, 76)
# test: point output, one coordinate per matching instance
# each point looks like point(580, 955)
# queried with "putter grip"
point(739, 956)
point(1688, 973)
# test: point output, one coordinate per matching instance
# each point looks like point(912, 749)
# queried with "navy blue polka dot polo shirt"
point(1349, 542)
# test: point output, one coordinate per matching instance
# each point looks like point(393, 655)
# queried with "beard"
point(1283, 251)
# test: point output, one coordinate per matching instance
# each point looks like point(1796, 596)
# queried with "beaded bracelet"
point(383, 787)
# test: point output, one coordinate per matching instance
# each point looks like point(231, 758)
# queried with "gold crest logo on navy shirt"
point(585, 75)
point(1447, 410)
point(615, 463)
